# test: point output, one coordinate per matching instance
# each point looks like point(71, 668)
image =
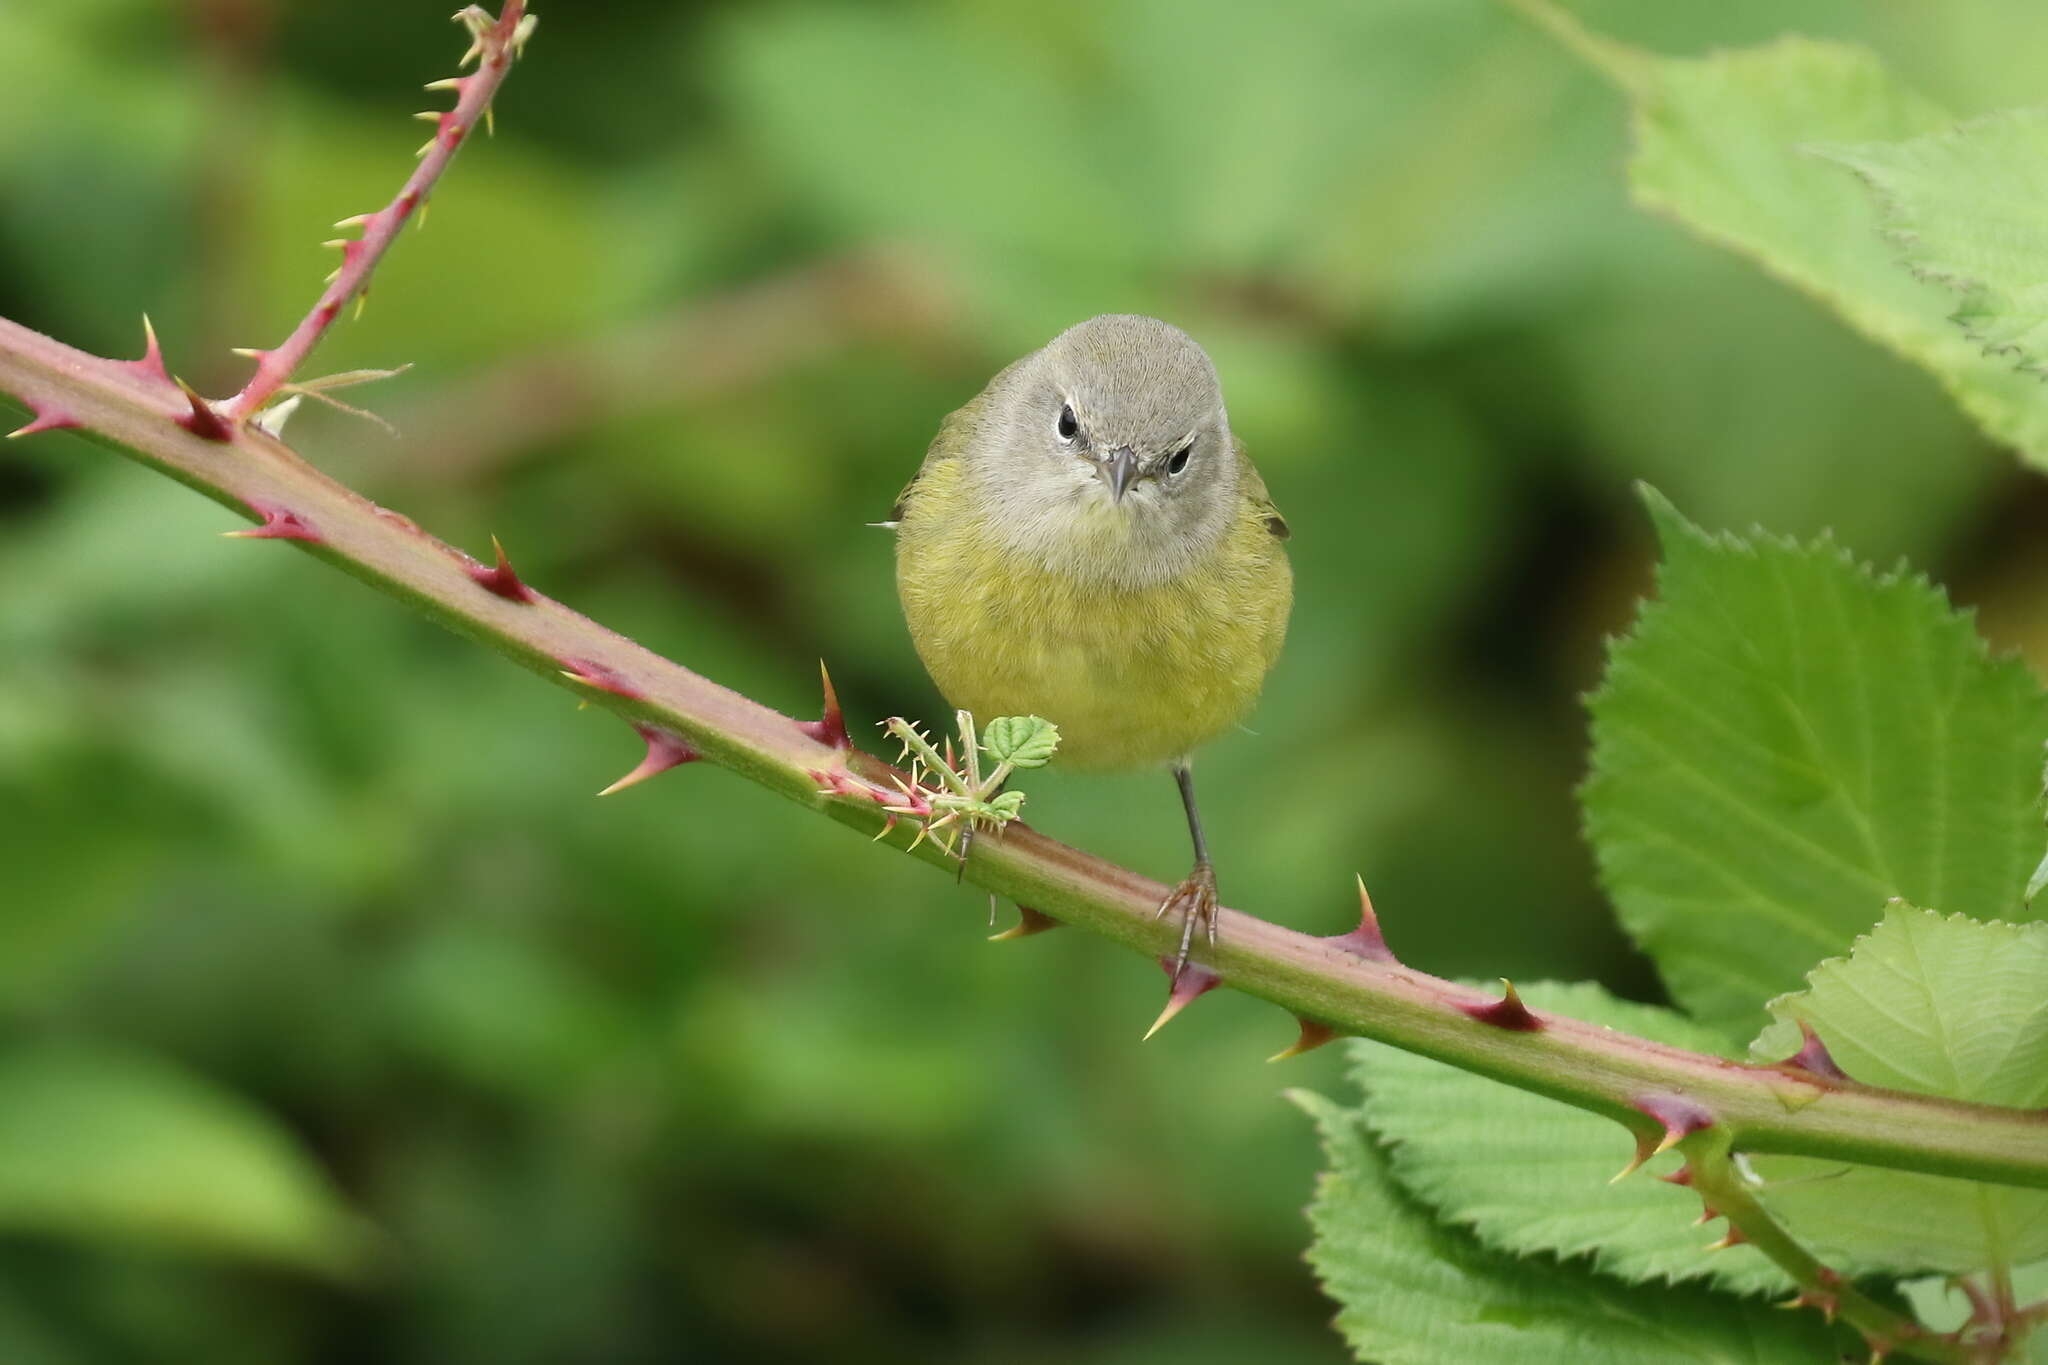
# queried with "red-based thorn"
point(1708, 1213)
point(1681, 1176)
point(47, 417)
point(830, 728)
point(501, 580)
point(202, 421)
point(1813, 1057)
point(1365, 941)
point(664, 751)
point(595, 675)
point(1826, 1296)
point(1679, 1117)
point(1193, 982)
point(1508, 1012)
point(1029, 922)
point(1313, 1035)
point(840, 782)
point(278, 524)
point(151, 364)
point(1732, 1238)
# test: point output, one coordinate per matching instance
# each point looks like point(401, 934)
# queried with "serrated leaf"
point(1968, 208)
point(1412, 1291)
point(1529, 1174)
point(102, 1144)
point(1020, 741)
point(1786, 742)
point(1944, 1006)
point(1722, 145)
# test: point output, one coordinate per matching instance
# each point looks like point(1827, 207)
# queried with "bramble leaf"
point(1944, 1006)
point(1412, 1291)
point(1724, 145)
point(1786, 742)
point(1968, 208)
point(1529, 1174)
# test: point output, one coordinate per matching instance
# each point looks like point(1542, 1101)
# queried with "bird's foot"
point(1194, 900)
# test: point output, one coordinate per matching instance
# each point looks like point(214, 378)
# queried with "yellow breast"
point(1132, 676)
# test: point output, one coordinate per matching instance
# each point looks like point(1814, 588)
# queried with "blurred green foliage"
point(453, 1063)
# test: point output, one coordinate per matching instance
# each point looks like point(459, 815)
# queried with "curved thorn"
point(1366, 940)
point(501, 579)
point(664, 751)
point(202, 421)
point(595, 675)
point(47, 417)
point(1679, 1119)
point(1187, 986)
point(1508, 1012)
point(1029, 922)
point(151, 363)
point(278, 523)
point(1813, 1057)
point(1313, 1035)
point(830, 728)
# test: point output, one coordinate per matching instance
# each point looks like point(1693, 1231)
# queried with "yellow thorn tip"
point(1174, 1005)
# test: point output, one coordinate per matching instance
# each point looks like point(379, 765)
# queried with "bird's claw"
point(1195, 901)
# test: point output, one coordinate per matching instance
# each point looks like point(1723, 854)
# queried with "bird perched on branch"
point(1087, 542)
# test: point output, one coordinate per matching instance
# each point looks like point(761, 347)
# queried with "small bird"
point(1087, 542)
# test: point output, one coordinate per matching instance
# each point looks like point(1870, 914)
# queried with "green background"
point(486, 1070)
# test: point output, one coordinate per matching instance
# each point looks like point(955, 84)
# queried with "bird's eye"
point(1068, 426)
point(1180, 458)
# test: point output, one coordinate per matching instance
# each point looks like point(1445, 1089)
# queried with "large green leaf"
point(1723, 145)
point(1788, 741)
point(102, 1144)
point(1412, 1291)
point(1945, 1006)
point(1969, 208)
point(1530, 1174)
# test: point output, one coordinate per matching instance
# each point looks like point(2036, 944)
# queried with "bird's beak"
point(1117, 471)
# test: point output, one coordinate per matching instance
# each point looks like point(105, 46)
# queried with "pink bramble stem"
point(496, 42)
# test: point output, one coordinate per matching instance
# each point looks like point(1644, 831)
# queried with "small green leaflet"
point(1968, 208)
point(1944, 1006)
point(1529, 1174)
point(1412, 1291)
point(1020, 741)
point(1786, 742)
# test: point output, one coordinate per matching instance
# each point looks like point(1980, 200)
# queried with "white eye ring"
point(1067, 426)
point(1180, 458)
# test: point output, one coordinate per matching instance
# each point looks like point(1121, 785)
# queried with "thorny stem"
point(1332, 981)
point(915, 744)
point(496, 43)
point(1343, 984)
point(1712, 1172)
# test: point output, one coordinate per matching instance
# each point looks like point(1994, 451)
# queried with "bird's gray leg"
point(1195, 898)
